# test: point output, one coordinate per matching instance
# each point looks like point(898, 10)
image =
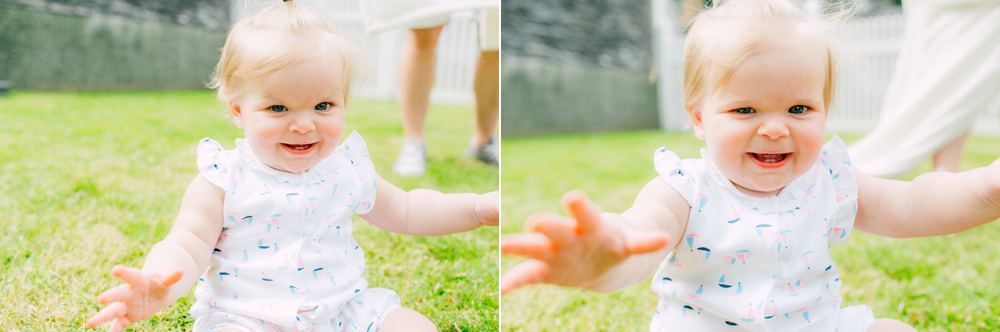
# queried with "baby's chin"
point(291, 167)
point(761, 188)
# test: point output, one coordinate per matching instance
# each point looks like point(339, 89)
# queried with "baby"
point(739, 239)
point(265, 229)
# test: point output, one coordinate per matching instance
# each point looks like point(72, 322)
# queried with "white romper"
point(750, 263)
point(286, 259)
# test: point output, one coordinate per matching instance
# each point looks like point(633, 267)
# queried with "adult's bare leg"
point(948, 157)
point(416, 78)
point(486, 85)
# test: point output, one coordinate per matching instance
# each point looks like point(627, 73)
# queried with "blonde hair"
point(721, 38)
point(274, 38)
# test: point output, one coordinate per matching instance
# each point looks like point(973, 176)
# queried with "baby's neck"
point(756, 193)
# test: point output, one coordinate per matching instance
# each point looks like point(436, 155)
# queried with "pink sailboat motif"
point(735, 217)
point(751, 316)
point(673, 260)
point(692, 239)
point(235, 184)
point(730, 260)
point(702, 200)
point(807, 258)
point(705, 253)
point(738, 291)
point(725, 282)
point(743, 255)
point(696, 294)
point(763, 230)
point(285, 264)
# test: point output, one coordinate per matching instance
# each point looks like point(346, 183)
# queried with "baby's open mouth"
point(298, 147)
point(769, 157)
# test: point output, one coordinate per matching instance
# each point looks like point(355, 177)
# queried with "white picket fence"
point(457, 50)
point(869, 50)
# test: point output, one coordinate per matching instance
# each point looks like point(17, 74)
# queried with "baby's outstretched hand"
point(991, 183)
point(573, 252)
point(488, 209)
point(143, 295)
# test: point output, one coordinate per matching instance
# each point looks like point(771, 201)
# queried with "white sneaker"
point(412, 160)
point(488, 153)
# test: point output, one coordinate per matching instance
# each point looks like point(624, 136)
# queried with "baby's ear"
point(694, 113)
point(234, 111)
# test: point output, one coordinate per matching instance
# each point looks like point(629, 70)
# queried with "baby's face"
point(294, 117)
point(765, 125)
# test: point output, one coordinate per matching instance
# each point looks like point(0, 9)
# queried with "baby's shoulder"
point(834, 156)
point(216, 164)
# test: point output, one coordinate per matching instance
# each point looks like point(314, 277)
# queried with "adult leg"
point(948, 157)
point(890, 325)
point(405, 319)
point(486, 86)
point(416, 78)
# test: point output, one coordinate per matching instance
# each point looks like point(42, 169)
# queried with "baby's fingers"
point(129, 275)
point(119, 324)
point(112, 311)
point(120, 293)
point(530, 245)
point(560, 230)
point(644, 242)
point(529, 272)
point(160, 286)
point(586, 213)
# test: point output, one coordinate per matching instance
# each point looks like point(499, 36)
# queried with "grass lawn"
point(90, 180)
point(947, 283)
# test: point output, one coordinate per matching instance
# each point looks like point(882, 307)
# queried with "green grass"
point(947, 283)
point(90, 180)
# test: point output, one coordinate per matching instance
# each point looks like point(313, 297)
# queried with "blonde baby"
point(739, 239)
point(265, 229)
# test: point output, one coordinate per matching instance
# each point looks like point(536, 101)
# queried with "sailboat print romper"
point(286, 259)
point(748, 263)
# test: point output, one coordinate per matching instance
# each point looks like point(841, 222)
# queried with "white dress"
point(286, 259)
point(758, 263)
point(382, 15)
point(947, 74)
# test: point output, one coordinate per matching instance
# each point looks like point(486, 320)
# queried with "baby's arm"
point(428, 212)
point(598, 251)
point(933, 204)
point(172, 266)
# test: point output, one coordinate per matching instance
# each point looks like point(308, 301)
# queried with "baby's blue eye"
point(744, 110)
point(798, 109)
point(278, 108)
point(323, 106)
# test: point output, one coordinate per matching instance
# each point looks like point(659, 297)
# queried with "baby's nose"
point(773, 129)
point(302, 124)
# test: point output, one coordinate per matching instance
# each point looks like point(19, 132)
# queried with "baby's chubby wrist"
point(990, 184)
point(487, 209)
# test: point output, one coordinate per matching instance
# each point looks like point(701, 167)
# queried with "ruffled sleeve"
point(837, 163)
point(356, 150)
point(675, 172)
point(215, 163)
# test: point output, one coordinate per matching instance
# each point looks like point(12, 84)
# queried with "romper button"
point(765, 275)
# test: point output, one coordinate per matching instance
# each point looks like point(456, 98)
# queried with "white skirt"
point(382, 15)
point(947, 74)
